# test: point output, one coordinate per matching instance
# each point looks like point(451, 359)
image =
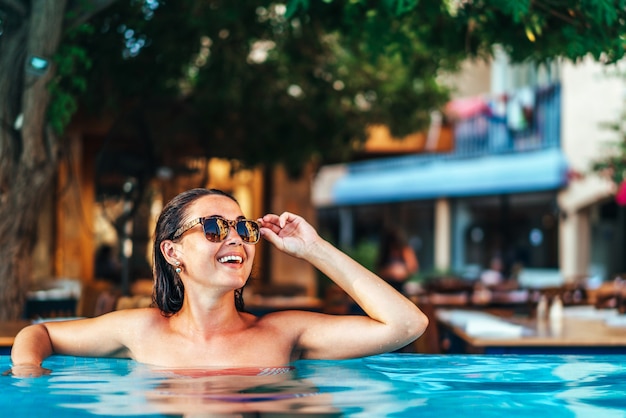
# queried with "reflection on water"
point(397, 385)
point(251, 390)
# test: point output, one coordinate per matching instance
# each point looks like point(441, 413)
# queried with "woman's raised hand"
point(289, 233)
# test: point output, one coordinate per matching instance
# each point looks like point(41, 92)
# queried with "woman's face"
point(224, 264)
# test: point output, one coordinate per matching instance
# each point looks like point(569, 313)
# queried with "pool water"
point(391, 385)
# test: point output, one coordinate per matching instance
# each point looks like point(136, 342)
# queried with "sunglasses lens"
point(248, 231)
point(215, 229)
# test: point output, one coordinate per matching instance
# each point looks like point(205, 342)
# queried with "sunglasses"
point(216, 229)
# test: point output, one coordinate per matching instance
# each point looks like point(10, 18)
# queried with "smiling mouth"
point(232, 259)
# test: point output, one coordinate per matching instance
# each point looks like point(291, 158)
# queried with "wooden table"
point(8, 331)
point(574, 334)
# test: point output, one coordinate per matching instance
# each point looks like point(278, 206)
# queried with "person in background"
point(397, 261)
point(493, 275)
point(204, 249)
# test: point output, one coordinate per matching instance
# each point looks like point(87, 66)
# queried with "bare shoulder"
point(116, 333)
point(293, 320)
point(136, 316)
point(132, 327)
point(117, 320)
point(287, 315)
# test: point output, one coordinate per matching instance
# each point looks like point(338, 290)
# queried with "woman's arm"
point(31, 346)
point(98, 336)
point(392, 321)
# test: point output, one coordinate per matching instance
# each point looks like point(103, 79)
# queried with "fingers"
point(270, 227)
point(286, 217)
point(269, 219)
point(270, 233)
point(273, 221)
point(27, 371)
point(277, 228)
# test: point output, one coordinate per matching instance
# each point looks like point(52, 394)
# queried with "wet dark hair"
point(169, 291)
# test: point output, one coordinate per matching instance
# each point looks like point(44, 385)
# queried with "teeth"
point(229, 258)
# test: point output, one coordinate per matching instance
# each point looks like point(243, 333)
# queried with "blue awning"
point(489, 175)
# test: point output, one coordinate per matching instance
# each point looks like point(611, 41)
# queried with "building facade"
point(516, 186)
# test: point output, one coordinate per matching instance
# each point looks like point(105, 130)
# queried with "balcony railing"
point(528, 119)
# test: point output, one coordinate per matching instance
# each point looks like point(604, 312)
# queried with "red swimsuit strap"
point(239, 371)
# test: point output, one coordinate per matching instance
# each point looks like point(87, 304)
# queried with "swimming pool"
point(391, 385)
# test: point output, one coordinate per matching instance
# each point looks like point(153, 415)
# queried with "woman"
point(396, 259)
point(203, 254)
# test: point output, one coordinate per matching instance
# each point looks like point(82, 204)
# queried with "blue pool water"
point(392, 385)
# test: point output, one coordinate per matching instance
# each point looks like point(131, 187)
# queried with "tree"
point(254, 81)
point(30, 33)
point(533, 30)
point(299, 90)
point(317, 72)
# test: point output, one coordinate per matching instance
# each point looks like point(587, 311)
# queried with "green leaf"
point(293, 6)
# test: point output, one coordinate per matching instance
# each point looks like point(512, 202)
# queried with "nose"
point(233, 238)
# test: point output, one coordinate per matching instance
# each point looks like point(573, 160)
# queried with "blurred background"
point(490, 133)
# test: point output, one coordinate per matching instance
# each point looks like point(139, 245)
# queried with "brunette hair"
point(169, 291)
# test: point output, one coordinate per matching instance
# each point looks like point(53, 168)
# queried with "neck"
point(206, 314)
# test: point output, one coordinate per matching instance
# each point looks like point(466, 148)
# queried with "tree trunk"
point(28, 150)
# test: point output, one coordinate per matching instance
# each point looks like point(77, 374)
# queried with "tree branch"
point(15, 5)
point(555, 13)
point(82, 11)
